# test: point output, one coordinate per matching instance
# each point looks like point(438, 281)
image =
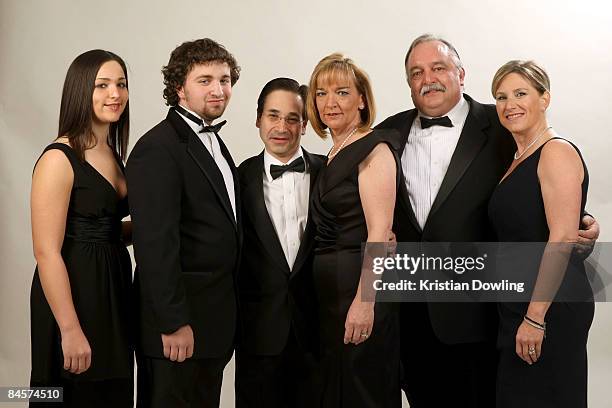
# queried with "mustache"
point(436, 86)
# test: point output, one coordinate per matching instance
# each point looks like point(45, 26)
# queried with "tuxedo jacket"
point(459, 211)
point(274, 299)
point(186, 239)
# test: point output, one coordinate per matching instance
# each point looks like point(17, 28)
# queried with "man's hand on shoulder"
point(587, 236)
point(178, 346)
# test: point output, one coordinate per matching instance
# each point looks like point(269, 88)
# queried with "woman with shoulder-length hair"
point(353, 203)
point(543, 360)
point(80, 303)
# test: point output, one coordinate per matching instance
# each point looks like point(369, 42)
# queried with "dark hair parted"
point(532, 72)
point(333, 68)
point(76, 109)
point(282, 84)
point(188, 54)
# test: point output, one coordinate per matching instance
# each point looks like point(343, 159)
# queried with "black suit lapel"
point(259, 216)
point(404, 201)
point(204, 160)
point(403, 196)
point(470, 142)
point(225, 152)
point(404, 130)
point(314, 165)
point(207, 164)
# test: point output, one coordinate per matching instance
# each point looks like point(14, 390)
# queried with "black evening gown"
point(364, 375)
point(100, 274)
point(559, 378)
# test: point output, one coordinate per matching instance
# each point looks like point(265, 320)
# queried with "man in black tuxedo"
point(185, 208)
point(273, 358)
point(454, 152)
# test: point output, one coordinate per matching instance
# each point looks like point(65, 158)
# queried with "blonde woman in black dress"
point(352, 203)
point(80, 291)
point(543, 360)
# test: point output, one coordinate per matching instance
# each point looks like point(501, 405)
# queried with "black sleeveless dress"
point(559, 378)
point(366, 375)
point(100, 274)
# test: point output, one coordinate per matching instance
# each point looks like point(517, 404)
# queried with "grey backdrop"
point(270, 38)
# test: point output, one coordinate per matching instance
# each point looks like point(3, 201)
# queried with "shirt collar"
point(269, 159)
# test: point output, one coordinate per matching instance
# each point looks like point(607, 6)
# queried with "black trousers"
point(193, 383)
point(286, 380)
point(439, 375)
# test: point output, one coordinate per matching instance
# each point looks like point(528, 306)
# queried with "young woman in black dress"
point(543, 360)
point(80, 291)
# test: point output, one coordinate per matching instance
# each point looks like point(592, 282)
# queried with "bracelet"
point(540, 325)
point(533, 323)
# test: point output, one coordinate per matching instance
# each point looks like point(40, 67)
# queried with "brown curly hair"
point(188, 54)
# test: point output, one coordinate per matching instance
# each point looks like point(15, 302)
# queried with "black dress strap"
point(344, 164)
point(75, 162)
point(585, 180)
point(562, 138)
point(68, 151)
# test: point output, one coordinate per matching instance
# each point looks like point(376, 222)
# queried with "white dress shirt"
point(287, 203)
point(426, 158)
point(211, 143)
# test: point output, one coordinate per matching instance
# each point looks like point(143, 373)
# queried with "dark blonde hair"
point(529, 70)
point(333, 68)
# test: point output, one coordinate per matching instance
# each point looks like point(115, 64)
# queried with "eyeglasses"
point(289, 120)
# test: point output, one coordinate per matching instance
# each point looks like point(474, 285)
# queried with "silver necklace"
point(331, 155)
point(518, 156)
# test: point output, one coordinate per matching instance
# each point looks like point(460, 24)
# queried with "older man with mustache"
point(454, 152)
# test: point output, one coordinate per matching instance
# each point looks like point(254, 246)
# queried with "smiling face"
point(280, 125)
point(110, 93)
point(338, 103)
point(435, 80)
point(520, 107)
point(207, 90)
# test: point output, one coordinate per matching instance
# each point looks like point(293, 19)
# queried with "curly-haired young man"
point(183, 199)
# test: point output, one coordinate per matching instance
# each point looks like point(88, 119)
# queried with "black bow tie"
point(442, 121)
point(297, 165)
point(212, 129)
